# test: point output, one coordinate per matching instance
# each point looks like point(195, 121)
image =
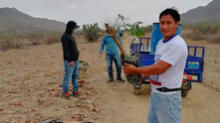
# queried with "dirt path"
point(29, 89)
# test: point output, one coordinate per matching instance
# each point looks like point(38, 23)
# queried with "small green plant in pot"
point(135, 29)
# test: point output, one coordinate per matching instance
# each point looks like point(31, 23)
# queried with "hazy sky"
point(91, 11)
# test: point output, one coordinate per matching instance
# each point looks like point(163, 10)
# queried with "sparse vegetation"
point(207, 32)
point(91, 32)
point(16, 41)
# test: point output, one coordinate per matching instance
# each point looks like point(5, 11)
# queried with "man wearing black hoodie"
point(70, 55)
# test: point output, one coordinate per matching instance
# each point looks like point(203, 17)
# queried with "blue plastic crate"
point(195, 63)
point(146, 59)
point(135, 47)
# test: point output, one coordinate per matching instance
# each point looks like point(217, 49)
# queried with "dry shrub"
point(206, 29)
point(52, 40)
point(36, 42)
point(214, 38)
point(91, 32)
point(8, 44)
point(210, 33)
point(3, 46)
point(35, 39)
point(19, 41)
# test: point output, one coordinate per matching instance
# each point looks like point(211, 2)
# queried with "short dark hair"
point(172, 12)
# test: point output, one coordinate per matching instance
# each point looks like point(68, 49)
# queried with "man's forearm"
point(150, 70)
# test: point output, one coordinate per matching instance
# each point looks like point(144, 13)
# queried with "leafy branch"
point(133, 29)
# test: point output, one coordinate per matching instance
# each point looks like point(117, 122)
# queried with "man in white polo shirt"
point(167, 72)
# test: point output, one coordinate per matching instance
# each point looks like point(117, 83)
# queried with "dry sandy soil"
point(30, 92)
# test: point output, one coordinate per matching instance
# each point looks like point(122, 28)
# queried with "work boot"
point(121, 80)
point(66, 95)
point(76, 93)
point(110, 80)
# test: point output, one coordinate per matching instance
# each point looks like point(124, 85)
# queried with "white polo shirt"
point(173, 51)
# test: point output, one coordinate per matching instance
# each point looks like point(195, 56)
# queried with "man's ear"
point(177, 22)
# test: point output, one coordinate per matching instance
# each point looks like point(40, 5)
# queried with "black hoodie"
point(70, 50)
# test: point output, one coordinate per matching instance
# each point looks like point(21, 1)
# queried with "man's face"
point(110, 31)
point(168, 26)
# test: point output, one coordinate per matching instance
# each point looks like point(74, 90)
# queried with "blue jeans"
point(70, 72)
point(165, 108)
point(109, 59)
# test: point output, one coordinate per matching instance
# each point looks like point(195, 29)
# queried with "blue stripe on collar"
point(165, 41)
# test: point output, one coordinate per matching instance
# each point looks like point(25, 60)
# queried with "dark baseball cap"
point(73, 24)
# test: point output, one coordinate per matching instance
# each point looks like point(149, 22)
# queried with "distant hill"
point(14, 21)
point(203, 14)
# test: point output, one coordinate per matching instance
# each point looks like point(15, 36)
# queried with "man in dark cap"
point(70, 55)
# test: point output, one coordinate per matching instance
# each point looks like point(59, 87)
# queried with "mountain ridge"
point(15, 21)
point(203, 14)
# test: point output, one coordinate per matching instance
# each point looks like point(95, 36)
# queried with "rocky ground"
point(30, 92)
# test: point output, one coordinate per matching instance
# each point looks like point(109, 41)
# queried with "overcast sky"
point(91, 11)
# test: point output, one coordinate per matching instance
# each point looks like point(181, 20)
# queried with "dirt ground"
point(30, 92)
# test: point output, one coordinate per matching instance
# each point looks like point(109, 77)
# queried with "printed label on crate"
point(193, 65)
